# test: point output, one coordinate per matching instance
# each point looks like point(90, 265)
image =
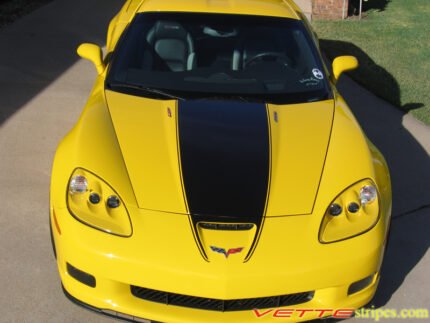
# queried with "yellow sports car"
point(215, 174)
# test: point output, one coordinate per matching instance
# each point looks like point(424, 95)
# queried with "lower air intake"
point(220, 305)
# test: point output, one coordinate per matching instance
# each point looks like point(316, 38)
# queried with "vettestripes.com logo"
point(344, 313)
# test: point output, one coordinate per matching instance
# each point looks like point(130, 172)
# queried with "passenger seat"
point(172, 45)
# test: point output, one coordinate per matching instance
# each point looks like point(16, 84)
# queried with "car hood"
point(222, 161)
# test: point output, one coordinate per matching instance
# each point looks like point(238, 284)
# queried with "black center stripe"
point(224, 149)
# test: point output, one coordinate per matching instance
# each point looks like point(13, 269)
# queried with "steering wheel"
point(277, 57)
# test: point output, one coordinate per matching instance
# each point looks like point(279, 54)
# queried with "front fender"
point(92, 144)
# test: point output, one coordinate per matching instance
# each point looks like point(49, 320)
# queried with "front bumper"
point(118, 263)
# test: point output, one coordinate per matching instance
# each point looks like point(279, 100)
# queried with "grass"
point(392, 43)
point(10, 10)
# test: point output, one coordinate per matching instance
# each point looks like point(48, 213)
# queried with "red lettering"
point(283, 313)
point(322, 312)
point(303, 311)
point(343, 313)
point(258, 314)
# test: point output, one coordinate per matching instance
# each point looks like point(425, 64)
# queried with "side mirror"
point(94, 54)
point(343, 64)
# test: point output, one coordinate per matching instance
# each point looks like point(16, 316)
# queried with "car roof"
point(275, 8)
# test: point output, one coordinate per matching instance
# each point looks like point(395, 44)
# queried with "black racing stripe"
point(224, 148)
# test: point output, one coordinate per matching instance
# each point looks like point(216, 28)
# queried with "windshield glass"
point(199, 55)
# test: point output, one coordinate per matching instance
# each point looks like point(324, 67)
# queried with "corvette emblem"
point(224, 252)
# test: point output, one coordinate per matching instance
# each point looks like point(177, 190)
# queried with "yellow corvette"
point(215, 174)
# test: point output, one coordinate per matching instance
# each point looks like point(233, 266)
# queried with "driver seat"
point(254, 44)
point(172, 47)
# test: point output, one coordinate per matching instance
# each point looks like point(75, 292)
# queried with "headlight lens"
point(354, 211)
point(93, 202)
point(368, 194)
point(78, 184)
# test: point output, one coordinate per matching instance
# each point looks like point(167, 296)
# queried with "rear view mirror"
point(343, 64)
point(94, 54)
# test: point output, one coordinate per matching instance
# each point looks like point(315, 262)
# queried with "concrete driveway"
point(43, 87)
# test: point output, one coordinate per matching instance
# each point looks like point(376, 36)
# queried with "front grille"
point(218, 304)
point(226, 226)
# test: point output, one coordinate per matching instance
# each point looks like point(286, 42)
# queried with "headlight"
point(368, 194)
point(354, 211)
point(93, 202)
point(78, 184)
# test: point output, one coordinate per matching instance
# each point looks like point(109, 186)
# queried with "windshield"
point(218, 56)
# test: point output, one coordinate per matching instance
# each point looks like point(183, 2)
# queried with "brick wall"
point(329, 9)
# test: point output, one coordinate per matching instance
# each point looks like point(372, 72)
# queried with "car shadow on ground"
point(31, 59)
point(379, 5)
point(409, 165)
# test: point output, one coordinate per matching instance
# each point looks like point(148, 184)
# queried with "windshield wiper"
point(146, 89)
point(227, 97)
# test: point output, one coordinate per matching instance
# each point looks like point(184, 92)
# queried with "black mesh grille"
point(220, 305)
point(226, 226)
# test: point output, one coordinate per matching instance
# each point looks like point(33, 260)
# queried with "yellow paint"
point(347, 224)
point(274, 8)
point(148, 139)
point(227, 240)
point(343, 64)
point(138, 159)
point(100, 216)
point(298, 152)
point(94, 54)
